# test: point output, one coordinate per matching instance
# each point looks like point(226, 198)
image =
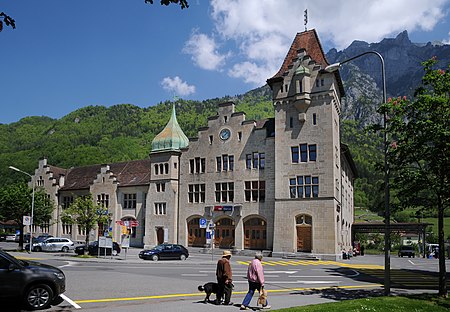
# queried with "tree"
point(7, 20)
point(84, 212)
point(419, 154)
point(16, 201)
point(183, 3)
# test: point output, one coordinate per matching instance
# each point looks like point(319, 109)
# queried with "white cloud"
point(264, 29)
point(446, 41)
point(203, 51)
point(177, 86)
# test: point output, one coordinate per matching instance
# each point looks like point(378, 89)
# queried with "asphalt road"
point(116, 284)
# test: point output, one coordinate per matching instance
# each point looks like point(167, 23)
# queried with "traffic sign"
point(26, 220)
point(202, 223)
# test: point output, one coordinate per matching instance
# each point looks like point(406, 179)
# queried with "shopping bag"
point(262, 297)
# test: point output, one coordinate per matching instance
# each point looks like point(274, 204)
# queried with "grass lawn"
point(414, 303)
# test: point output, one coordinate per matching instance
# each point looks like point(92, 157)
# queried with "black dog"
point(208, 288)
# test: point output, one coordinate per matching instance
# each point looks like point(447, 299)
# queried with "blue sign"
point(202, 223)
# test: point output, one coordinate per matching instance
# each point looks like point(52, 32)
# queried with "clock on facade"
point(225, 134)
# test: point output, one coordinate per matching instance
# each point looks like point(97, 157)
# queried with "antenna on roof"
point(306, 19)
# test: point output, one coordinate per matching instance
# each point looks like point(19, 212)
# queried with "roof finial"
point(306, 19)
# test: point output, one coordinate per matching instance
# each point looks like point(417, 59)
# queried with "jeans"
point(252, 286)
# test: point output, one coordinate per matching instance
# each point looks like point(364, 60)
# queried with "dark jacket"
point(223, 270)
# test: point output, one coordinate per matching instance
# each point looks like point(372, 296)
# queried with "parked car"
point(407, 251)
point(53, 244)
point(37, 240)
point(3, 237)
point(93, 249)
point(37, 285)
point(12, 237)
point(165, 251)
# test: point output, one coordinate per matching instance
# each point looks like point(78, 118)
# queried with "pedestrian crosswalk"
point(402, 278)
point(315, 263)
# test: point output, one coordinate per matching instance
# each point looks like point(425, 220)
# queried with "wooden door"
point(255, 234)
point(196, 235)
point(224, 233)
point(304, 238)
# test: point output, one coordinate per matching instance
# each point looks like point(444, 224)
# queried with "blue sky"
point(65, 55)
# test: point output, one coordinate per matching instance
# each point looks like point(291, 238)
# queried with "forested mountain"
point(96, 134)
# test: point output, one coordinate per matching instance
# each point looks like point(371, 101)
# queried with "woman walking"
point(255, 276)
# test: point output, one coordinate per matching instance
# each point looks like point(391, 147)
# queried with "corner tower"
point(307, 151)
point(162, 203)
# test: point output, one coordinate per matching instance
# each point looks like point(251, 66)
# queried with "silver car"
point(54, 244)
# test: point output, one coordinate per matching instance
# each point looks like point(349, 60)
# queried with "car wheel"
point(65, 249)
point(183, 257)
point(155, 258)
point(38, 297)
point(37, 248)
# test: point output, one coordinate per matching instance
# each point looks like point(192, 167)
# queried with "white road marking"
point(194, 274)
point(411, 262)
point(303, 282)
point(70, 301)
point(353, 275)
point(313, 276)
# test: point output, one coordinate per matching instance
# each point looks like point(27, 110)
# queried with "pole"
point(32, 203)
point(32, 216)
point(387, 212)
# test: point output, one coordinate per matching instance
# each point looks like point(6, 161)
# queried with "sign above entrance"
point(128, 224)
point(223, 208)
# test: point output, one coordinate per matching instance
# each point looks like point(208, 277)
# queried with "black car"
point(407, 251)
point(37, 285)
point(93, 249)
point(165, 251)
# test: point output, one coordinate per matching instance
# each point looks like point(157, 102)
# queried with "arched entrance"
point(304, 233)
point(224, 233)
point(196, 235)
point(255, 234)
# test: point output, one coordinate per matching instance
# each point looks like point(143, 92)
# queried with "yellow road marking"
point(234, 292)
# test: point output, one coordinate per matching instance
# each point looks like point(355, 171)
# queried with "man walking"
point(255, 276)
point(224, 279)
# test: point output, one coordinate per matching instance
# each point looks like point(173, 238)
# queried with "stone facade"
point(283, 184)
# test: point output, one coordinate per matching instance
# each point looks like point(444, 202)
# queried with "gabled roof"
point(309, 41)
point(130, 173)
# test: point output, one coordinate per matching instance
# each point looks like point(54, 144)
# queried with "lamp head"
point(333, 67)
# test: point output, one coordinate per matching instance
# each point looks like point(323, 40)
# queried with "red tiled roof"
point(136, 172)
point(309, 41)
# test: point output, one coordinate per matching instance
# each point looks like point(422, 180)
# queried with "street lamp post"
point(32, 203)
point(387, 212)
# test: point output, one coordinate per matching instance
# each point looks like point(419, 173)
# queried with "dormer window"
point(298, 86)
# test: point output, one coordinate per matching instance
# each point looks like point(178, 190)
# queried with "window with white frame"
point(160, 209)
point(255, 160)
point(303, 153)
point(225, 163)
point(196, 193)
point(129, 201)
point(103, 200)
point(224, 192)
point(197, 165)
point(304, 187)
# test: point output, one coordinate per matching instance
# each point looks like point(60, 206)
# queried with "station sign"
point(223, 208)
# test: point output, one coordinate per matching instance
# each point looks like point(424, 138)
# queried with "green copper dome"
point(171, 138)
